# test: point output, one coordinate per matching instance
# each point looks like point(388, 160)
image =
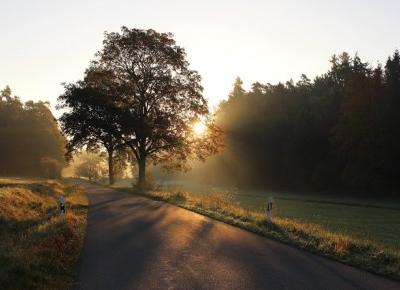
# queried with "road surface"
point(136, 243)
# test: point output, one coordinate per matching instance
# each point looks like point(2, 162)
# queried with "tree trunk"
point(111, 179)
point(142, 174)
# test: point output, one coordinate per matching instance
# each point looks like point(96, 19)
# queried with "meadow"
point(368, 219)
point(38, 248)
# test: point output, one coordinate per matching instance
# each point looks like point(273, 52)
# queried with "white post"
point(268, 210)
point(62, 207)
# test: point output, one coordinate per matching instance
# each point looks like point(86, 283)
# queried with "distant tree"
point(122, 161)
point(340, 69)
point(29, 134)
point(355, 135)
point(50, 168)
point(5, 94)
point(90, 166)
point(391, 116)
point(237, 90)
point(159, 98)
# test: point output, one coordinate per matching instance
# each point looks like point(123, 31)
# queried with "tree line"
point(339, 131)
point(139, 100)
point(31, 143)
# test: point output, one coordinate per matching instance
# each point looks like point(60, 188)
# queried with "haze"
point(45, 43)
point(127, 180)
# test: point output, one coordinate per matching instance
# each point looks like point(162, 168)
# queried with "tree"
point(355, 135)
point(91, 166)
point(158, 98)
point(237, 91)
point(91, 118)
point(391, 159)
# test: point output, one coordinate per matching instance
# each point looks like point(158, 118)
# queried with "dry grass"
point(362, 253)
point(39, 250)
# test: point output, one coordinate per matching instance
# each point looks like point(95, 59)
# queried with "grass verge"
point(39, 250)
point(362, 253)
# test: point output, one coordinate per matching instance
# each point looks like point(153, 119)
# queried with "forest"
point(31, 141)
point(339, 131)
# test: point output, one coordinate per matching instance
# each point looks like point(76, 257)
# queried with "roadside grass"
point(39, 250)
point(344, 247)
point(363, 217)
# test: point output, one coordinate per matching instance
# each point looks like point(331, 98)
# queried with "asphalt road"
point(136, 243)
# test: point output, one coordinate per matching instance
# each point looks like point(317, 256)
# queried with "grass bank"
point(373, 218)
point(352, 250)
point(38, 250)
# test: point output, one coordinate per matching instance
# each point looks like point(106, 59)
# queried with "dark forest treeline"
point(340, 131)
point(31, 143)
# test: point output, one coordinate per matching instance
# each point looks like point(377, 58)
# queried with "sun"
point(199, 128)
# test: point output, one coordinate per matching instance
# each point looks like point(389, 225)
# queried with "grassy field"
point(374, 220)
point(360, 232)
point(39, 250)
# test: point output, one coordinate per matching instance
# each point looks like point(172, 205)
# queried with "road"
point(136, 243)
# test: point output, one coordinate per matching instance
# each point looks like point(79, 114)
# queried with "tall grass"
point(362, 253)
point(38, 249)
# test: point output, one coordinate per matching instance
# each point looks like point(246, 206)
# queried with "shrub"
point(180, 196)
point(50, 168)
point(219, 200)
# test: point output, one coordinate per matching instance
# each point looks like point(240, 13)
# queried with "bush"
point(219, 200)
point(180, 196)
point(50, 168)
point(92, 166)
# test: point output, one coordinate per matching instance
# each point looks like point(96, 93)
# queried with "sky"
point(47, 42)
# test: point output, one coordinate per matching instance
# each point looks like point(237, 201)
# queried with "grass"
point(351, 249)
point(39, 250)
point(374, 220)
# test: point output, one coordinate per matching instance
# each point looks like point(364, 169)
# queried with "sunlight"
point(199, 128)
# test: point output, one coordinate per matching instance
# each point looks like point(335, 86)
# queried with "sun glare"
point(199, 128)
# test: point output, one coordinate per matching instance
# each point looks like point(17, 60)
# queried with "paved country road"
point(136, 243)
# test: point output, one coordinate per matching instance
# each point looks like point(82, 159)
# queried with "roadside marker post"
point(268, 210)
point(62, 207)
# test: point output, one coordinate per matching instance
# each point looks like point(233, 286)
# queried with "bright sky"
point(47, 42)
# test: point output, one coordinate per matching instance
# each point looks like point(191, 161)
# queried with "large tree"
point(159, 97)
point(91, 119)
point(145, 96)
